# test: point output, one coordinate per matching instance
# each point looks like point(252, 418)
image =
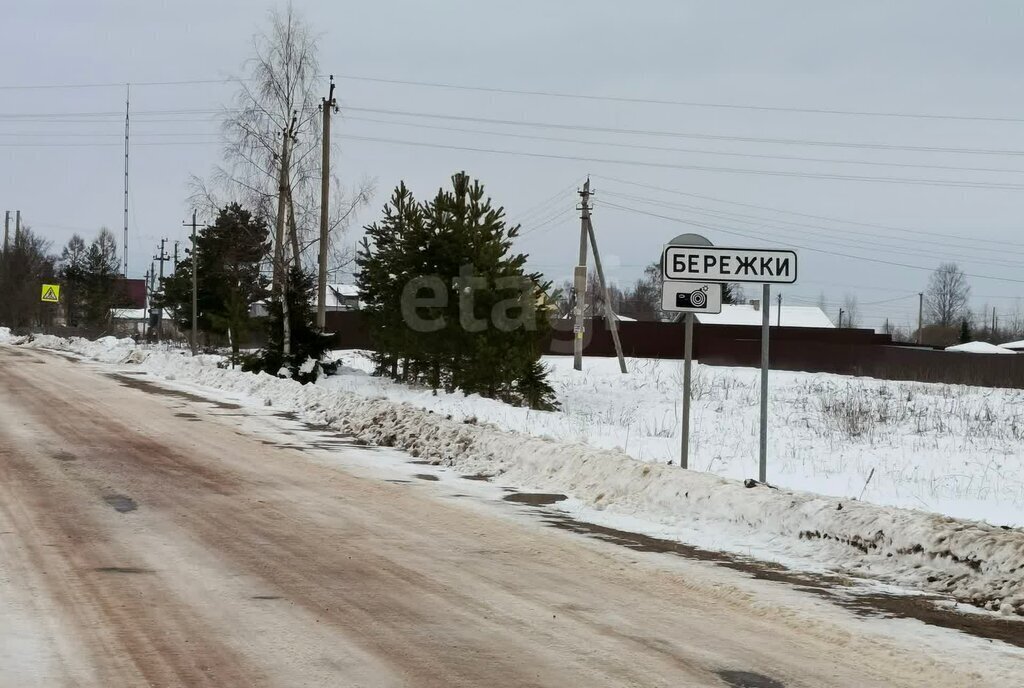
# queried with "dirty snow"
point(955, 445)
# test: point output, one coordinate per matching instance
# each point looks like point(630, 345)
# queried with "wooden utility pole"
point(609, 312)
point(326, 106)
point(17, 227)
point(195, 286)
point(7, 229)
point(580, 280)
point(920, 317)
point(778, 316)
point(841, 311)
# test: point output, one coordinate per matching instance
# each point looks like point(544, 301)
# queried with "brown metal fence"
point(841, 351)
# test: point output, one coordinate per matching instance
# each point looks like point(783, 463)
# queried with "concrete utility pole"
point(195, 283)
point(841, 311)
point(162, 257)
point(7, 229)
point(326, 106)
point(174, 265)
point(580, 280)
point(17, 227)
point(920, 317)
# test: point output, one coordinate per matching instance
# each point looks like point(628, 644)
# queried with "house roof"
point(746, 314)
point(134, 314)
point(340, 294)
point(1018, 345)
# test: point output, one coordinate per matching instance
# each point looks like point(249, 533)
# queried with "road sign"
point(691, 297)
point(720, 264)
point(51, 293)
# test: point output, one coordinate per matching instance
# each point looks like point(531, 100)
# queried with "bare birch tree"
point(945, 300)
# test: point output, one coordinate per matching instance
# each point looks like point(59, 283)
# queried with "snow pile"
point(979, 348)
point(5, 334)
point(974, 562)
point(104, 349)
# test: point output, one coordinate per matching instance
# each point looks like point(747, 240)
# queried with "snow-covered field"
point(937, 447)
point(949, 449)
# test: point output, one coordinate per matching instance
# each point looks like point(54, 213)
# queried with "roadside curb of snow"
point(973, 562)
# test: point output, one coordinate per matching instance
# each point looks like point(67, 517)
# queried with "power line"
point(879, 241)
point(683, 103)
point(808, 215)
point(663, 149)
point(705, 168)
point(546, 94)
point(802, 246)
point(117, 84)
point(688, 135)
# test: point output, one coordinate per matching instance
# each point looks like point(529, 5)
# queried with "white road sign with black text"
point(720, 264)
point(691, 297)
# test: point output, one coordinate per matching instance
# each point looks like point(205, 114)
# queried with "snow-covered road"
point(156, 539)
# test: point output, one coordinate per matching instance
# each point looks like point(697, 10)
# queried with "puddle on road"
point(534, 498)
point(748, 679)
point(476, 476)
point(425, 476)
point(121, 503)
point(121, 569)
point(65, 456)
point(265, 597)
point(153, 388)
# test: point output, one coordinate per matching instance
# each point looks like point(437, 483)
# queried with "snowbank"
point(974, 562)
point(5, 334)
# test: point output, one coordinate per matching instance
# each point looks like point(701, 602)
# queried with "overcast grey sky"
point(932, 57)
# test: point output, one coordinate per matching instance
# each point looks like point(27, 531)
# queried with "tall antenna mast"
point(127, 110)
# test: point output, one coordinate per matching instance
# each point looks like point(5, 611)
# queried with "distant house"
point(1016, 347)
point(340, 297)
point(137, 321)
point(750, 314)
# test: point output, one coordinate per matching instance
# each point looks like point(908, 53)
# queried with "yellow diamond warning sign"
point(51, 293)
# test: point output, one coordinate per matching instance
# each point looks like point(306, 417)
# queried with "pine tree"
point(72, 274)
point(99, 282)
point(965, 331)
point(485, 324)
point(307, 342)
point(229, 256)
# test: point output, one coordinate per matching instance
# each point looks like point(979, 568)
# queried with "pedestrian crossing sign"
point(51, 293)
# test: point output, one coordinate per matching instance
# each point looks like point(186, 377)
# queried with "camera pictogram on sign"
point(698, 298)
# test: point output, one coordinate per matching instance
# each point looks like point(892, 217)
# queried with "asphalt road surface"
point(146, 545)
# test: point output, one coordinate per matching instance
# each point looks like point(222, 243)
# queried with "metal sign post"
point(689, 298)
point(684, 449)
point(762, 472)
